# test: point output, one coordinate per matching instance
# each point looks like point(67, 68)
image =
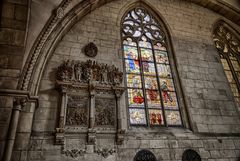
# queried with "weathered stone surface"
point(207, 93)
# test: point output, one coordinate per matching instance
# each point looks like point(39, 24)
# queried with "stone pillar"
point(60, 130)
point(91, 131)
point(92, 109)
point(120, 131)
point(17, 107)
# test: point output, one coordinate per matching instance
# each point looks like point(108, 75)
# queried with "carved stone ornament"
point(105, 112)
point(74, 153)
point(90, 49)
point(89, 71)
point(105, 152)
point(60, 12)
point(77, 110)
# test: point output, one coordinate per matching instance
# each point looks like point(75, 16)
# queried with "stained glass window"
point(228, 47)
point(152, 98)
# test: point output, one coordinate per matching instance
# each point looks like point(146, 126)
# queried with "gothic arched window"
point(151, 94)
point(228, 46)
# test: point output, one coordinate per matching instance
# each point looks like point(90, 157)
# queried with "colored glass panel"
point(173, 117)
point(167, 84)
point(130, 52)
point(145, 44)
point(137, 116)
point(164, 71)
point(238, 75)
point(134, 81)
point(236, 65)
point(129, 41)
point(146, 55)
point(169, 99)
point(161, 57)
point(148, 68)
point(159, 46)
point(229, 76)
point(135, 98)
point(132, 66)
point(150, 82)
point(142, 64)
point(225, 64)
point(153, 99)
point(155, 117)
point(235, 90)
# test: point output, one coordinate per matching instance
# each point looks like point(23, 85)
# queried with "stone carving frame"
point(79, 90)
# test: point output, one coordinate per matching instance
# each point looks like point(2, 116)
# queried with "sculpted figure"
point(95, 71)
point(103, 73)
point(111, 74)
point(78, 71)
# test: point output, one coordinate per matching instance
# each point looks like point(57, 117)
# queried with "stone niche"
point(90, 101)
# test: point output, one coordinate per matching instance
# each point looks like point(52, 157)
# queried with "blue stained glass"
point(130, 52)
point(132, 66)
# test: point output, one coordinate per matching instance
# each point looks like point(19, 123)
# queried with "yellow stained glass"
point(225, 64)
point(236, 65)
point(229, 76)
point(134, 81)
point(235, 90)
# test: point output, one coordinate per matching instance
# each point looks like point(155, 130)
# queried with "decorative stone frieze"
point(89, 71)
point(105, 152)
point(74, 153)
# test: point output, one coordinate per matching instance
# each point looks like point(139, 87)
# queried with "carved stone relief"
point(89, 71)
point(77, 111)
point(105, 112)
point(90, 49)
point(90, 94)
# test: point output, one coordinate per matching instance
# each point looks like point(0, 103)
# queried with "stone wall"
point(13, 24)
point(207, 93)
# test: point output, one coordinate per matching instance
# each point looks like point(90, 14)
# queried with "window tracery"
point(228, 46)
point(152, 98)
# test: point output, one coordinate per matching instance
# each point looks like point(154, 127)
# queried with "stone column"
point(92, 109)
point(120, 131)
point(17, 107)
point(61, 125)
point(91, 131)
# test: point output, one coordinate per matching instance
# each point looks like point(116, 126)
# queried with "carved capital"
point(19, 103)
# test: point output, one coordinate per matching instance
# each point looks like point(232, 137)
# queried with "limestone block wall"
point(207, 93)
point(13, 24)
